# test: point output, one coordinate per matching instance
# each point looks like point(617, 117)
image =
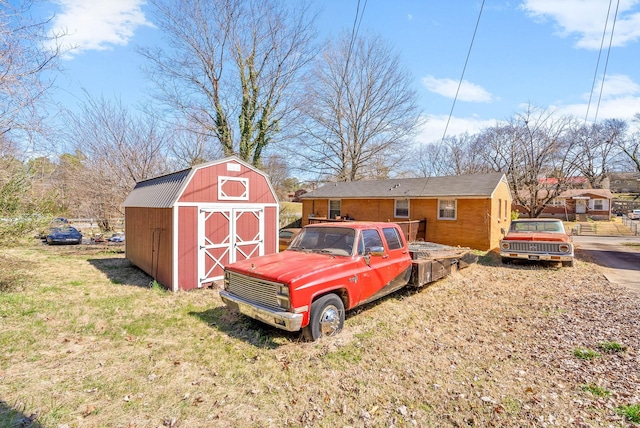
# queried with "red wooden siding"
point(271, 230)
point(203, 187)
point(149, 241)
point(188, 248)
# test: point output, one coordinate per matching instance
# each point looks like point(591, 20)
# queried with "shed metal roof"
point(476, 185)
point(158, 192)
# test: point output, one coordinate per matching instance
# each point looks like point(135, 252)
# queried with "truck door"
point(384, 273)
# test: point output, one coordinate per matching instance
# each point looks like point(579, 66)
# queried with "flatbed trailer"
point(431, 261)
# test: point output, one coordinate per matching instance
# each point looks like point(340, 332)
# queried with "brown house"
point(464, 210)
point(183, 228)
point(573, 203)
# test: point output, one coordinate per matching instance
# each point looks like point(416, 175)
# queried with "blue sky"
point(543, 52)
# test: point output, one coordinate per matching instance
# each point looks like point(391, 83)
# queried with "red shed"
point(183, 228)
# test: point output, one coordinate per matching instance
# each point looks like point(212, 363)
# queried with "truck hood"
point(290, 266)
point(536, 236)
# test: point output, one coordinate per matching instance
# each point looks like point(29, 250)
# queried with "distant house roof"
point(603, 193)
point(165, 190)
point(571, 193)
point(458, 186)
point(569, 180)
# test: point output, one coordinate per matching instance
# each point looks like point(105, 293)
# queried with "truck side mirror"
point(377, 251)
point(504, 232)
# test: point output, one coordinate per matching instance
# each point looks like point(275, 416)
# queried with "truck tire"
point(326, 318)
point(567, 264)
point(507, 260)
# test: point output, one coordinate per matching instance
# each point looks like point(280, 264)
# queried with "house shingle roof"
point(477, 185)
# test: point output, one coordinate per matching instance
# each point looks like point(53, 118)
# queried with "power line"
point(595, 73)
point(606, 64)
point(463, 70)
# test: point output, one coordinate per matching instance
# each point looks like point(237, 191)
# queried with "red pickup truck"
point(537, 239)
point(328, 267)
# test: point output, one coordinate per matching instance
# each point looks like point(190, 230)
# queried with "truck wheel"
point(567, 264)
point(326, 318)
point(507, 260)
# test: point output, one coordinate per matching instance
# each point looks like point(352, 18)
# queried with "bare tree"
point(534, 152)
point(359, 111)
point(118, 149)
point(630, 146)
point(23, 61)
point(594, 148)
point(188, 148)
point(231, 59)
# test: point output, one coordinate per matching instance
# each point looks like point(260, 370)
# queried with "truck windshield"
point(334, 240)
point(537, 226)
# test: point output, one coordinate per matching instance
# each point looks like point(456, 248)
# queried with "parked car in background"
point(285, 236)
point(537, 239)
point(64, 235)
point(53, 224)
point(117, 237)
point(634, 215)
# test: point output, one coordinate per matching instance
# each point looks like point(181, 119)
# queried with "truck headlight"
point(565, 248)
point(504, 245)
point(225, 285)
point(283, 297)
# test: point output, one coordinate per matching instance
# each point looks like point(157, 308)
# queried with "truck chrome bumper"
point(280, 319)
point(530, 256)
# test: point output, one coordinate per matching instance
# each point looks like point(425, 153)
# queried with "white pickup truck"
point(634, 215)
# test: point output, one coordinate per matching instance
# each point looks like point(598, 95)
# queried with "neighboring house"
point(573, 182)
point(592, 203)
point(464, 210)
point(624, 182)
point(183, 228)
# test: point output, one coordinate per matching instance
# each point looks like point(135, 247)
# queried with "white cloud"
point(586, 19)
point(620, 99)
point(617, 85)
point(97, 25)
point(409, 17)
point(433, 129)
point(448, 87)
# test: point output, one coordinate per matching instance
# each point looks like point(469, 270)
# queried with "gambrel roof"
point(457, 186)
point(165, 190)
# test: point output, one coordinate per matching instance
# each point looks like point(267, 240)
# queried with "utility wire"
point(463, 70)
point(595, 73)
point(606, 63)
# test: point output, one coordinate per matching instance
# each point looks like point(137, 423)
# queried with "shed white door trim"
point(225, 235)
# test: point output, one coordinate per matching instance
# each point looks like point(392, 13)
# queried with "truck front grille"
point(253, 289)
point(535, 247)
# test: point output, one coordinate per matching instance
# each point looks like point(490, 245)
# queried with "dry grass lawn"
point(87, 342)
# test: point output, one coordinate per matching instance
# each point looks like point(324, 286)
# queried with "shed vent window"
point(402, 208)
point(447, 209)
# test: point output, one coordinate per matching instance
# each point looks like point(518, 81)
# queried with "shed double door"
point(226, 235)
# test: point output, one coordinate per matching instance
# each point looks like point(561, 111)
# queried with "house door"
point(226, 235)
point(581, 206)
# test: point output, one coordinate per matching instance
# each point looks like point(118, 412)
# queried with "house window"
point(555, 202)
point(334, 208)
point(499, 209)
point(446, 209)
point(402, 208)
point(598, 205)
